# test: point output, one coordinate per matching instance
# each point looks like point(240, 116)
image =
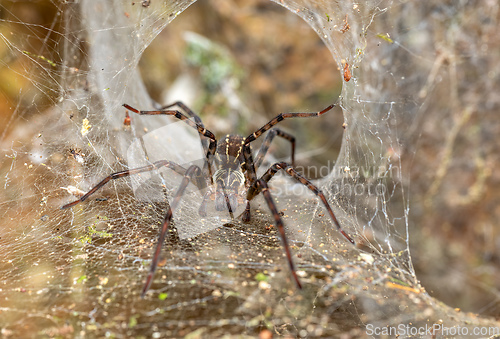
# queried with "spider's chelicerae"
point(235, 174)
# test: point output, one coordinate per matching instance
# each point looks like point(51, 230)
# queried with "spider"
point(235, 174)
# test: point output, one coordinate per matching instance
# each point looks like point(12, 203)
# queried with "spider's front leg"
point(196, 124)
point(202, 211)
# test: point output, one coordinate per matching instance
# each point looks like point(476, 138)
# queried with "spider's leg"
point(221, 187)
point(250, 176)
point(267, 141)
point(193, 170)
point(262, 184)
point(282, 117)
point(246, 214)
point(255, 189)
point(212, 145)
point(156, 165)
point(202, 211)
point(250, 167)
point(186, 109)
point(192, 114)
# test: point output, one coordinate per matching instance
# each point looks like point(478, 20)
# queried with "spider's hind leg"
point(192, 171)
point(256, 189)
point(262, 185)
point(117, 175)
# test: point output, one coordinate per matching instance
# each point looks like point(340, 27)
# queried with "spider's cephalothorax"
point(235, 171)
point(229, 177)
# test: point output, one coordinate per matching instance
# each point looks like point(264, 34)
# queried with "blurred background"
point(451, 149)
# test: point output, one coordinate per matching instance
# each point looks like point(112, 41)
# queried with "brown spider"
point(235, 169)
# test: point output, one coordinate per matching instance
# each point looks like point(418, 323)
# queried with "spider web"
point(79, 272)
